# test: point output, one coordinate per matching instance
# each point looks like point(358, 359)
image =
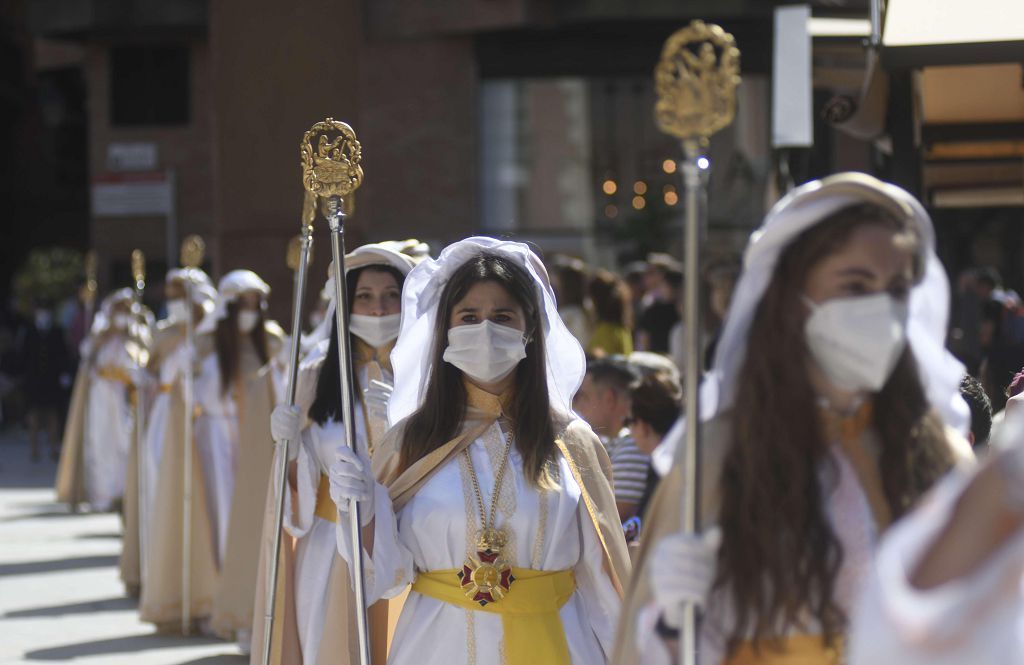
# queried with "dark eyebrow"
point(505, 310)
point(466, 308)
point(857, 272)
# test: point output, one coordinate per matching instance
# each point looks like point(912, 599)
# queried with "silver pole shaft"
point(281, 447)
point(141, 459)
point(691, 387)
point(876, 23)
point(186, 522)
point(336, 219)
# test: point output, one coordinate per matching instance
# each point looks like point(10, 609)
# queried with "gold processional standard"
point(331, 172)
point(696, 81)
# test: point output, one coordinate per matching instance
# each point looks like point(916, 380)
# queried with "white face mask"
point(857, 341)
point(485, 351)
point(122, 321)
point(247, 320)
point(375, 330)
point(177, 309)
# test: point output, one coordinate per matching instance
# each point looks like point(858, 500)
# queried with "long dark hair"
point(443, 410)
point(227, 338)
point(779, 554)
point(327, 404)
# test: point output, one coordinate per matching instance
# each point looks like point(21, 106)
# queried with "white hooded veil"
point(421, 297)
point(796, 212)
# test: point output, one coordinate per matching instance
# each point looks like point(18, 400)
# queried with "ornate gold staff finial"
point(193, 250)
point(696, 81)
point(331, 157)
point(91, 285)
point(138, 266)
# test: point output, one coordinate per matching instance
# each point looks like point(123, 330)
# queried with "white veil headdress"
point(203, 292)
point(421, 298)
point(103, 318)
point(796, 212)
point(230, 287)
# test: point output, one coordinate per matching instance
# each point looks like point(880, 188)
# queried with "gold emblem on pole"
point(331, 159)
point(696, 81)
point(193, 250)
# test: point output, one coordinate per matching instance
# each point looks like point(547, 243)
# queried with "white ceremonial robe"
point(548, 530)
point(978, 620)
point(172, 367)
point(315, 549)
point(217, 436)
point(108, 429)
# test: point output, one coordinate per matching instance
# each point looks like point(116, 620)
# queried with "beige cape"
point(161, 599)
point(70, 470)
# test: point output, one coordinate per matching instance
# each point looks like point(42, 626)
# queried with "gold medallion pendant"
point(487, 577)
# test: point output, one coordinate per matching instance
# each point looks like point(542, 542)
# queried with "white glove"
point(682, 571)
point(377, 396)
point(285, 425)
point(352, 480)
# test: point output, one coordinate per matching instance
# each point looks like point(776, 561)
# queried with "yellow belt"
point(114, 373)
point(529, 611)
point(792, 650)
point(325, 508)
point(165, 387)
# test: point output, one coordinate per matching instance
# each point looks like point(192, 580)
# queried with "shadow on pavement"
point(105, 605)
point(126, 644)
point(33, 567)
point(225, 659)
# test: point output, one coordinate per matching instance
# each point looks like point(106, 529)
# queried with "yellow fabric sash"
point(529, 611)
point(325, 506)
point(793, 650)
point(114, 373)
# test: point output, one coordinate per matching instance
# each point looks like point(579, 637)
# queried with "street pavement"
point(61, 598)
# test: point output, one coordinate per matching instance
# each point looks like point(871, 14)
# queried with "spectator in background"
point(634, 275)
point(604, 402)
point(663, 281)
point(570, 284)
point(47, 377)
point(657, 402)
point(981, 412)
point(613, 313)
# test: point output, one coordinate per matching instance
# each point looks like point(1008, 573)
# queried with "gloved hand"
point(376, 397)
point(682, 571)
point(285, 425)
point(352, 480)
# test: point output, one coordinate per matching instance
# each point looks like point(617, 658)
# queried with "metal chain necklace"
point(487, 577)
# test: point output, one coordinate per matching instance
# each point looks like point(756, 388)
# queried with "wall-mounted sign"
point(132, 194)
point(139, 156)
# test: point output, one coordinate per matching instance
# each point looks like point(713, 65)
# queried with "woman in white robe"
point(827, 410)
point(374, 278)
point(94, 458)
point(238, 385)
point(484, 356)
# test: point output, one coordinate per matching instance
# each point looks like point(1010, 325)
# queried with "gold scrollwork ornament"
point(696, 82)
point(331, 159)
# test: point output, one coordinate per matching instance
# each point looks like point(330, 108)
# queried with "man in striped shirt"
point(604, 401)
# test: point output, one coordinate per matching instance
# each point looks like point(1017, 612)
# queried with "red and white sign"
point(132, 194)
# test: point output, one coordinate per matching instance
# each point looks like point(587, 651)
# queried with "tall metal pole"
point(141, 455)
point(331, 169)
point(336, 219)
point(281, 447)
point(696, 81)
point(192, 251)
